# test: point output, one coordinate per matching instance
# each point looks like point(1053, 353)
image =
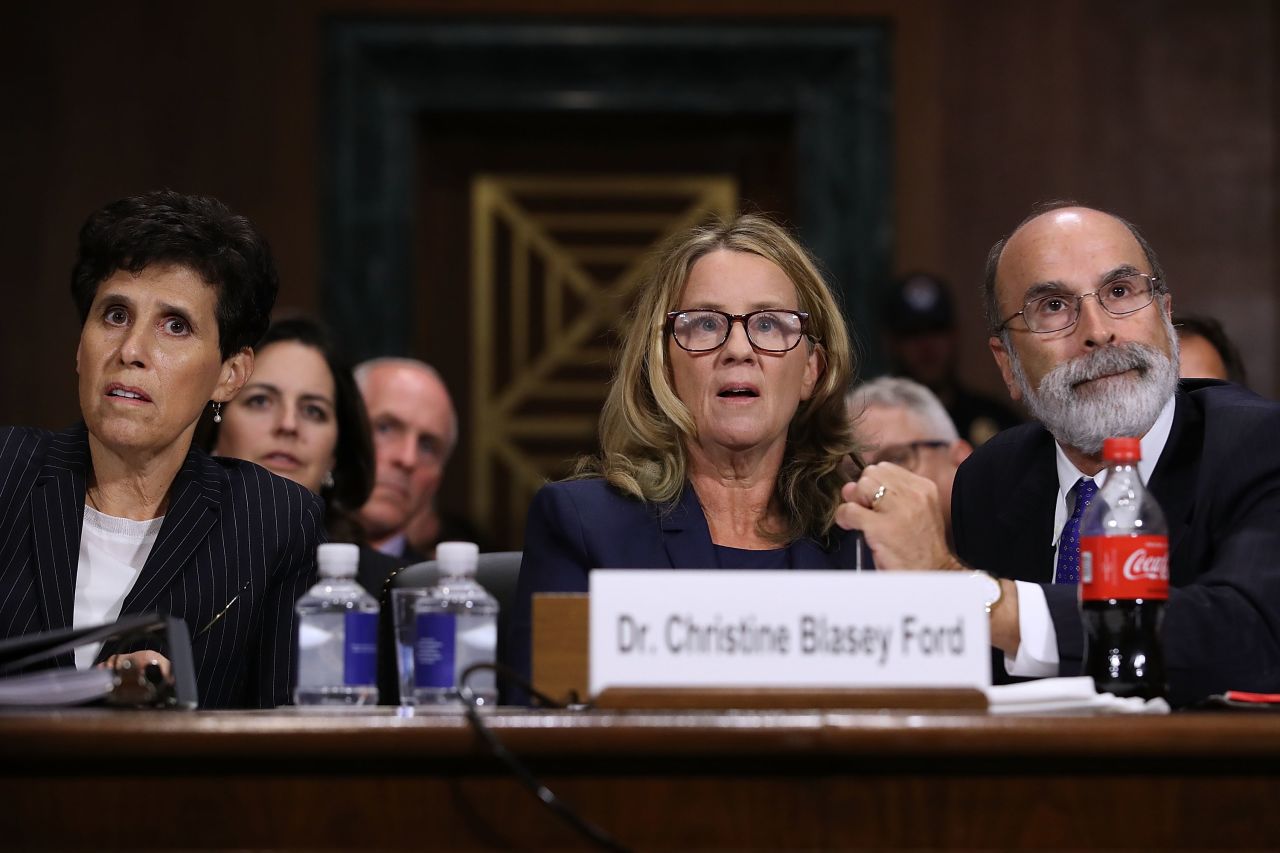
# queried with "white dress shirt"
point(112, 554)
point(1038, 649)
point(396, 545)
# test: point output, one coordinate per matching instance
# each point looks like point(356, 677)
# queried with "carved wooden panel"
point(555, 264)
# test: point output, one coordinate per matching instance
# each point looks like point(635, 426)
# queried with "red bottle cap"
point(1122, 449)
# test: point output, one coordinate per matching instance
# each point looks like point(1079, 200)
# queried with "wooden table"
point(796, 779)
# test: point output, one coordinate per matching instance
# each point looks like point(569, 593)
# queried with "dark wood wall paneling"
point(1162, 110)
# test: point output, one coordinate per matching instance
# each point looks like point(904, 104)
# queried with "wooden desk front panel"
point(653, 780)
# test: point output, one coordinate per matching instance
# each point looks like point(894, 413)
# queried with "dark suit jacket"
point(580, 525)
point(236, 541)
point(374, 573)
point(1218, 482)
point(376, 568)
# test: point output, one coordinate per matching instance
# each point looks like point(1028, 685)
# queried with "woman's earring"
point(217, 412)
point(328, 480)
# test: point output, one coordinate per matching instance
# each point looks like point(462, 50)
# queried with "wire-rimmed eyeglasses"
point(770, 330)
point(1059, 310)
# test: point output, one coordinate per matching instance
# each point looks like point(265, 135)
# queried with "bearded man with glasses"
point(1080, 327)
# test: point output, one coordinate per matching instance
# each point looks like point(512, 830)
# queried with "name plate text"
point(745, 629)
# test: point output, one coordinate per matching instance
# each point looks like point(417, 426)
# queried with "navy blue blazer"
point(579, 525)
point(1218, 482)
point(235, 552)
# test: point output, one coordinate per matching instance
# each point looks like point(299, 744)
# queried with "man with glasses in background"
point(900, 421)
point(1080, 327)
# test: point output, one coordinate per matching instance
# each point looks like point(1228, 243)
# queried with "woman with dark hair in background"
point(121, 514)
point(301, 416)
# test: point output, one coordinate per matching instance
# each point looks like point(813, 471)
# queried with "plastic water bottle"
point(457, 627)
point(337, 634)
point(1124, 579)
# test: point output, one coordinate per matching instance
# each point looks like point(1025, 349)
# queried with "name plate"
point(750, 629)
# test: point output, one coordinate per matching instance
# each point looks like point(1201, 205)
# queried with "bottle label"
point(435, 650)
point(1124, 567)
point(360, 654)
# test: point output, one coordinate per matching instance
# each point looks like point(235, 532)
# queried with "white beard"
point(1120, 406)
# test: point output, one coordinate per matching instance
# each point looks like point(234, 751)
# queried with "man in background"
point(922, 345)
point(1205, 350)
point(900, 421)
point(433, 525)
point(415, 428)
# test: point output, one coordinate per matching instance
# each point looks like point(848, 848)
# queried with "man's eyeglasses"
point(1059, 311)
point(772, 330)
point(905, 455)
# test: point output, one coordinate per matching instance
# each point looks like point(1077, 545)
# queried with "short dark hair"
point(354, 465)
point(1213, 332)
point(991, 304)
point(196, 232)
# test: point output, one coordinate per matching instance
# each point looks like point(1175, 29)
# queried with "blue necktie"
point(1068, 570)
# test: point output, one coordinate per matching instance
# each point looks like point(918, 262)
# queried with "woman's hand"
point(899, 516)
point(136, 683)
point(139, 661)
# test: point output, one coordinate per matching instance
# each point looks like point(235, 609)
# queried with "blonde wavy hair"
point(644, 425)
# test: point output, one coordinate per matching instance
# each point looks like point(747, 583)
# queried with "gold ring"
point(880, 493)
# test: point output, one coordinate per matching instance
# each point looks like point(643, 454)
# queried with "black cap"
point(919, 303)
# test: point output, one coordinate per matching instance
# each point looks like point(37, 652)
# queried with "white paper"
point(64, 686)
point(1066, 695)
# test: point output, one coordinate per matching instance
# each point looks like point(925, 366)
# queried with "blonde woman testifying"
point(724, 429)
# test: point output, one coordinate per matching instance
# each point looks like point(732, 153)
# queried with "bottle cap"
point(338, 559)
point(457, 558)
point(1125, 449)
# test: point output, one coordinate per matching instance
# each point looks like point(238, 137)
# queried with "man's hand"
point(899, 516)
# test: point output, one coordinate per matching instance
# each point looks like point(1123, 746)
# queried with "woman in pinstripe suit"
point(120, 514)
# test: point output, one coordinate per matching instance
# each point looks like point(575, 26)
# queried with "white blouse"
point(112, 553)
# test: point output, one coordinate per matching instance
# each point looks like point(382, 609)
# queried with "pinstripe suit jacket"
point(236, 541)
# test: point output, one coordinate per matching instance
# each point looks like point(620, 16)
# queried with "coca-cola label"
point(1124, 567)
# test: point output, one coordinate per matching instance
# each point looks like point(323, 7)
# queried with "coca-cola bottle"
point(1124, 579)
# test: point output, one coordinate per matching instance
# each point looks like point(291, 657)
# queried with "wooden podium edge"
point(791, 699)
